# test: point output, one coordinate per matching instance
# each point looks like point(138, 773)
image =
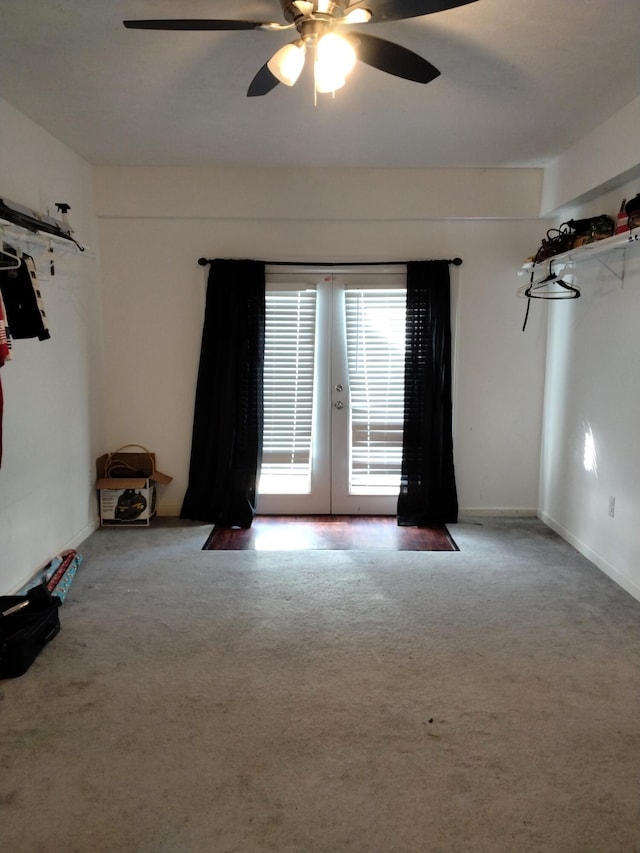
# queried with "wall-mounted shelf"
point(558, 283)
point(28, 228)
point(598, 249)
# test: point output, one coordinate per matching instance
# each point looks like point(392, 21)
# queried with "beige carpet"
point(328, 701)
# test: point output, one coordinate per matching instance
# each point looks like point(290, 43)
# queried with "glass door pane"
point(375, 330)
point(289, 372)
point(368, 415)
point(295, 476)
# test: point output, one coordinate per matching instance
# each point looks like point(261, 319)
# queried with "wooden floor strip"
point(329, 532)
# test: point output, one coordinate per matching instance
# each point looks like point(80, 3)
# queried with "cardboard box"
point(127, 488)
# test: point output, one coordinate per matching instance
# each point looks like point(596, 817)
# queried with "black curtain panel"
point(226, 447)
point(427, 487)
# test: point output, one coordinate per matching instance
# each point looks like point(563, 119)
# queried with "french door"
point(333, 391)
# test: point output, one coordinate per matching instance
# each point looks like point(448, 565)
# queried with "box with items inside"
point(126, 486)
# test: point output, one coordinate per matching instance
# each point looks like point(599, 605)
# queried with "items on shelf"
point(548, 283)
point(575, 233)
point(632, 209)
point(622, 219)
point(572, 234)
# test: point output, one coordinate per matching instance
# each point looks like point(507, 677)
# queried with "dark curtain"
point(226, 446)
point(427, 486)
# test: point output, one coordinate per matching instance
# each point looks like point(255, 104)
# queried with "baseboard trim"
point(623, 580)
point(499, 512)
point(173, 511)
point(83, 534)
point(169, 510)
point(76, 539)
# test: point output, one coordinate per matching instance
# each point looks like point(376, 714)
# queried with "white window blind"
point(375, 324)
point(290, 326)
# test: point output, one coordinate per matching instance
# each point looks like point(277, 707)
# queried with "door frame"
point(327, 469)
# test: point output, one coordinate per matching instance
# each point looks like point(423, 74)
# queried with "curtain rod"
point(455, 261)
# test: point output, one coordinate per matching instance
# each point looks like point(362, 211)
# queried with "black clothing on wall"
point(23, 301)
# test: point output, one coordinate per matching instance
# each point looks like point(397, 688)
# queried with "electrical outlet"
point(612, 506)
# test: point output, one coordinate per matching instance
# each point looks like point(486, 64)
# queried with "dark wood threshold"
point(329, 532)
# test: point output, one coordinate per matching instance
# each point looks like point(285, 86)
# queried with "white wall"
point(593, 389)
point(156, 223)
point(53, 389)
point(593, 363)
point(601, 161)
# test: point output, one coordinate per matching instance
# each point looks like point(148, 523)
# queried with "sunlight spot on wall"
point(590, 457)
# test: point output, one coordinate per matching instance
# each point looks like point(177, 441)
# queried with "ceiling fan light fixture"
point(357, 16)
point(327, 82)
point(303, 6)
point(335, 55)
point(335, 58)
point(287, 63)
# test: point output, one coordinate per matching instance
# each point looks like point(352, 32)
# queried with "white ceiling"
point(521, 81)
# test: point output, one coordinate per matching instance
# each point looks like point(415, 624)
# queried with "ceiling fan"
point(317, 23)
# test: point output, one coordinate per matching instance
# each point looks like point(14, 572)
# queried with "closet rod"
point(455, 261)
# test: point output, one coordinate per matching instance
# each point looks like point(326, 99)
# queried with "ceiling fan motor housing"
point(307, 12)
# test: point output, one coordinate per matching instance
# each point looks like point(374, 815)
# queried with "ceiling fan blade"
point(191, 24)
point(262, 83)
point(396, 10)
point(394, 59)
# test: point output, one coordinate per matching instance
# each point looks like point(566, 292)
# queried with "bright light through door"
point(375, 330)
point(333, 391)
point(289, 373)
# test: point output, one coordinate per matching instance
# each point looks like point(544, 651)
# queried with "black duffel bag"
point(27, 623)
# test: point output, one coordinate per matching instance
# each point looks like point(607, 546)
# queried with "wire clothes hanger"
point(544, 289)
point(14, 259)
point(551, 286)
